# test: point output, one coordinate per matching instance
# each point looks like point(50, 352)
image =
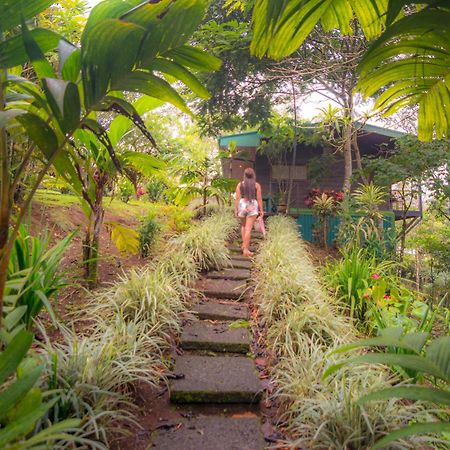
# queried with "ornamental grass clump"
point(286, 277)
point(309, 320)
point(153, 296)
point(322, 414)
point(206, 241)
point(305, 324)
point(94, 375)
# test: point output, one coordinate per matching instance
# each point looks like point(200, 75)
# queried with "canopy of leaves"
point(241, 94)
point(411, 160)
point(423, 164)
point(408, 63)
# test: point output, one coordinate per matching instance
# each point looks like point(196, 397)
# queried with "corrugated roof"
point(252, 138)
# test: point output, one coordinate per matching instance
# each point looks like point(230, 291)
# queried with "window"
point(282, 172)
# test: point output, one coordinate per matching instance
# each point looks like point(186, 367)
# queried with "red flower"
point(375, 276)
point(140, 191)
point(387, 297)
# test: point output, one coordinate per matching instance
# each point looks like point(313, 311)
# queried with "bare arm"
point(259, 199)
point(238, 197)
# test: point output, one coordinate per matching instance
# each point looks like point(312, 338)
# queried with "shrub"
point(426, 362)
point(281, 285)
point(94, 374)
point(325, 414)
point(173, 219)
point(351, 276)
point(155, 190)
point(126, 190)
point(151, 295)
point(147, 235)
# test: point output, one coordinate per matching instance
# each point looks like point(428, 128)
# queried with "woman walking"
point(248, 207)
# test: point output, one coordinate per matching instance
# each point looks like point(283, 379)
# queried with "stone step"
point(256, 236)
point(215, 379)
point(238, 263)
point(215, 337)
point(239, 257)
point(237, 248)
point(230, 274)
point(233, 289)
point(214, 310)
point(212, 433)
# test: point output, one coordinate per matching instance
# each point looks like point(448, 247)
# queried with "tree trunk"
point(205, 200)
point(403, 241)
point(86, 248)
point(5, 199)
point(294, 152)
point(99, 215)
point(358, 157)
point(325, 231)
point(348, 170)
point(91, 243)
point(417, 270)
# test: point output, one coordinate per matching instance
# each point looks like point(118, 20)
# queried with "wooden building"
point(371, 140)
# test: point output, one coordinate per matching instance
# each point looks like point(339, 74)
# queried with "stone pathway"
point(217, 369)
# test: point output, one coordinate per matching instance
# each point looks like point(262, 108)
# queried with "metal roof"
point(253, 138)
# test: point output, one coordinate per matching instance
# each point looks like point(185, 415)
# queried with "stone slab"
point(238, 263)
point(215, 379)
point(237, 248)
point(213, 310)
point(230, 274)
point(233, 289)
point(212, 433)
point(240, 257)
point(215, 337)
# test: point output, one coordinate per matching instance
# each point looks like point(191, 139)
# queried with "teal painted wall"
point(306, 221)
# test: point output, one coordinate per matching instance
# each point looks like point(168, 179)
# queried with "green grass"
point(133, 209)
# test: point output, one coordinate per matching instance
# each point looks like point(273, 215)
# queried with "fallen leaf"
point(243, 415)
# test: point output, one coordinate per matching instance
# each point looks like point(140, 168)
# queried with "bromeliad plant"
point(53, 107)
point(33, 277)
point(429, 363)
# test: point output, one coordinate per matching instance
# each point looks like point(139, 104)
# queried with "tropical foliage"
point(59, 107)
point(431, 362)
point(33, 277)
point(407, 63)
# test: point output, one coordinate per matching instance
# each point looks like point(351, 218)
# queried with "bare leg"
point(242, 230)
point(247, 235)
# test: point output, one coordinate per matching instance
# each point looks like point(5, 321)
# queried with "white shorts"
point(247, 208)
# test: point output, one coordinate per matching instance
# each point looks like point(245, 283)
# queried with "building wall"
point(300, 188)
